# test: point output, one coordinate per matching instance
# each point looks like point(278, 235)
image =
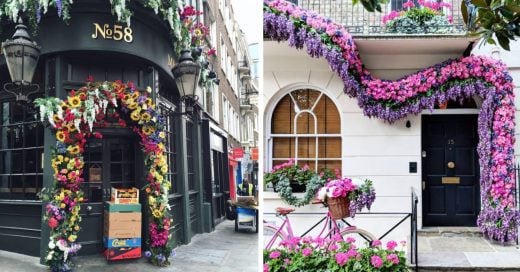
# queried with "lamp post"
point(21, 55)
point(186, 74)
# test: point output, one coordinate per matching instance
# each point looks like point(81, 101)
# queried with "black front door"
point(109, 162)
point(450, 170)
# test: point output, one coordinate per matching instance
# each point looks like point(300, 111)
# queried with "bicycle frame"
point(330, 228)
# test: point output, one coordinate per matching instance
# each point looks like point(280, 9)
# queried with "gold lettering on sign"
point(116, 33)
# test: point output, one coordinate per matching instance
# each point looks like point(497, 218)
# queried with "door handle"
point(451, 165)
point(89, 208)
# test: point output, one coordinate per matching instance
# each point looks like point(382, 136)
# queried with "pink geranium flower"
point(376, 261)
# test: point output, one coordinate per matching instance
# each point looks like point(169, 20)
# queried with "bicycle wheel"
point(272, 237)
point(360, 235)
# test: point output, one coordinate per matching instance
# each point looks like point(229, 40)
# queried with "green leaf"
point(368, 5)
point(503, 40)
point(464, 12)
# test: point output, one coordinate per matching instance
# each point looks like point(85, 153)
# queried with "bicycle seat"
point(284, 211)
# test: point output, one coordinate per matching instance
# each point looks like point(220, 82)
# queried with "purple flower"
point(147, 254)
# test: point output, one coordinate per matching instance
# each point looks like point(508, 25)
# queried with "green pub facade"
point(93, 44)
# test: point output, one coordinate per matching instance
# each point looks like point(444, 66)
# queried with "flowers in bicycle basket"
point(334, 254)
point(357, 193)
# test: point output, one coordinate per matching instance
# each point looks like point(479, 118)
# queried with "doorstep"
point(464, 249)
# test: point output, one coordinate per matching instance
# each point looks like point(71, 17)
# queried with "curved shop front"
point(93, 44)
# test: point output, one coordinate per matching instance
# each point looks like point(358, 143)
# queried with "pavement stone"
point(222, 250)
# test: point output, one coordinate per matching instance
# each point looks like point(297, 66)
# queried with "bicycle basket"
point(339, 207)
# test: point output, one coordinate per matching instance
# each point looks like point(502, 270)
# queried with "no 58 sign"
point(116, 33)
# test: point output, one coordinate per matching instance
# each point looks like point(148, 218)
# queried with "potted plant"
point(427, 17)
point(345, 196)
point(288, 178)
point(334, 254)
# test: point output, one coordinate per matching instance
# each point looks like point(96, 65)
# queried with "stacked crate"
point(122, 230)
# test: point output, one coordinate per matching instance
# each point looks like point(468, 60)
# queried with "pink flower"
point(266, 268)
point(351, 240)
point(341, 258)
point(376, 261)
point(275, 254)
point(376, 243)
point(391, 245)
point(408, 4)
point(306, 252)
point(393, 258)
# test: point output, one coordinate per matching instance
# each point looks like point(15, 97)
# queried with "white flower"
point(357, 181)
point(49, 256)
point(52, 245)
point(322, 193)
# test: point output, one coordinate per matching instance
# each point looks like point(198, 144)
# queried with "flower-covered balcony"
point(398, 17)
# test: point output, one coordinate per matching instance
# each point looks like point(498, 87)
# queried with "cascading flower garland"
point(73, 120)
point(392, 100)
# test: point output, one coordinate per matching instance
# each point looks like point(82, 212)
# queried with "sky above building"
point(249, 16)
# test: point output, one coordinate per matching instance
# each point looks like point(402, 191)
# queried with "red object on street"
point(254, 153)
point(238, 153)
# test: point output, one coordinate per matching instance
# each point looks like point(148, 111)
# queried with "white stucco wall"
point(371, 148)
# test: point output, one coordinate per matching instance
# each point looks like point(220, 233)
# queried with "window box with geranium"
point(345, 196)
point(426, 17)
point(288, 178)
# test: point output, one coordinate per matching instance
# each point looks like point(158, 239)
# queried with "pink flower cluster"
point(286, 164)
point(159, 237)
point(423, 81)
point(337, 188)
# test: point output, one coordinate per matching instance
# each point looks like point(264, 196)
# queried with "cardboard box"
point(125, 196)
point(122, 225)
point(121, 242)
point(112, 207)
point(121, 253)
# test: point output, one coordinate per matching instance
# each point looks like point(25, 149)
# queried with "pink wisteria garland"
point(392, 100)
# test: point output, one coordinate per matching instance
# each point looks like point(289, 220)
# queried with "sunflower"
point(148, 101)
point(74, 101)
point(146, 117)
point(135, 95)
point(157, 213)
point(56, 118)
point(73, 149)
point(164, 169)
point(135, 115)
point(126, 97)
point(162, 135)
point(70, 127)
point(147, 130)
point(60, 136)
point(131, 104)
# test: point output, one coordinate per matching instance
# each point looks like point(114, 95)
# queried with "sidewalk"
point(222, 250)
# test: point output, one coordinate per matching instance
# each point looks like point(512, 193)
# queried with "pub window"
point(21, 152)
point(190, 141)
point(305, 126)
point(171, 151)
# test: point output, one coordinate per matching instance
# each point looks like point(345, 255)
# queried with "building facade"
point(197, 143)
point(308, 116)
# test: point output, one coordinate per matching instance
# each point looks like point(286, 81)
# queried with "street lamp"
point(186, 74)
point(21, 55)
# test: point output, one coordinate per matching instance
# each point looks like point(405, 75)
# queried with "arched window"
point(306, 126)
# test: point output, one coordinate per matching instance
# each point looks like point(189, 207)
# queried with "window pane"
point(330, 147)
point(282, 119)
point(283, 147)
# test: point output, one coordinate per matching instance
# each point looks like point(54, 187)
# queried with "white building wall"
point(371, 148)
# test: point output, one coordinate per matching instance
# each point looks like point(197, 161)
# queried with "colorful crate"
point(121, 242)
point(121, 253)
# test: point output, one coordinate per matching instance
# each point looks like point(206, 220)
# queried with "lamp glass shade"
point(21, 56)
point(186, 75)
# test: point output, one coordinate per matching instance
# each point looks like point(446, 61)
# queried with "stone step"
point(449, 232)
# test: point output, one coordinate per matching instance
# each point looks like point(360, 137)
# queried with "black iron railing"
point(360, 22)
point(412, 215)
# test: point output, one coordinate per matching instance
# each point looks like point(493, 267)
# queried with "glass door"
point(109, 162)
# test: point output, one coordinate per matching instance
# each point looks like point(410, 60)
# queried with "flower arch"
point(391, 100)
point(73, 120)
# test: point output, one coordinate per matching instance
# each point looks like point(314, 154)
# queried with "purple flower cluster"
point(392, 100)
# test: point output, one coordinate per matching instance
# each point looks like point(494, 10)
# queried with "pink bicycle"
point(273, 235)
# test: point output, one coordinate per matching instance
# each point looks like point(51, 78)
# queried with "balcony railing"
point(360, 22)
